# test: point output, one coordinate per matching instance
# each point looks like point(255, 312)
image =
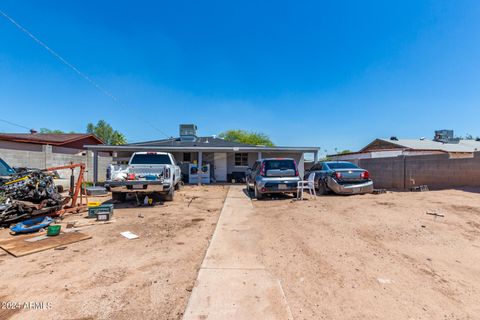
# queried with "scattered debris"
point(32, 225)
point(27, 193)
point(191, 200)
point(129, 235)
point(93, 212)
point(421, 188)
point(140, 215)
point(19, 246)
point(435, 214)
point(60, 248)
point(96, 191)
point(38, 238)
point(379, 191)
point(53, 230)
point(384, 280)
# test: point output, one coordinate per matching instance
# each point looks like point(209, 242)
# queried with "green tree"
point(345, 151)
point(248, 137)
point(46, 130)
point(106, 133)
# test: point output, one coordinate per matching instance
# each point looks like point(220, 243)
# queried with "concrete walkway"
point(232, 282)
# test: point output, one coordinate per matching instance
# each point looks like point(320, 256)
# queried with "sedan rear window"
point(341, 165)
point(279, 165)
point(151, 159)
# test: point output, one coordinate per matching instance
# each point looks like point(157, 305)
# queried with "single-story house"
point(385, 148)
point(43, 150)
point(227, 160)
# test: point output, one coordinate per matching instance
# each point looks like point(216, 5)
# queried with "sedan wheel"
point(258, 194)
point(322, 188)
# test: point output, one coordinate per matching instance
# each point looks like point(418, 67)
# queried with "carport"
point(224, 160)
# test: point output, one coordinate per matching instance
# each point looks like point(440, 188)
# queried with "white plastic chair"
point(308, 185)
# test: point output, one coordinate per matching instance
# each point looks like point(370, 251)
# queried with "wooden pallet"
point(19, 247)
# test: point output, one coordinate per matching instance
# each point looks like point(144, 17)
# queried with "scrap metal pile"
point(26, 194)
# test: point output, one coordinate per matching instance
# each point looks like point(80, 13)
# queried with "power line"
point(14, 124)
point(75, 69)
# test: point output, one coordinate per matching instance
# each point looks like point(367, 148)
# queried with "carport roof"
point(199, 142)
point(167, 148)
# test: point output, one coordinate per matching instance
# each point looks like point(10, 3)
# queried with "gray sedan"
point(341, 177)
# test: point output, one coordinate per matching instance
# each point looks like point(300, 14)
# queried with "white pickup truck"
point(158, 170)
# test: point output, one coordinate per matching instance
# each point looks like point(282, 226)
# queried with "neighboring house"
point(227, 160)
point(444, 162)
point(384, 148)
point(42, 150)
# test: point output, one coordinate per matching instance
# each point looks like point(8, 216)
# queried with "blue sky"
point(333, 74)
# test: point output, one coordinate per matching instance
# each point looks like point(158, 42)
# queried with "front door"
point(220, 166)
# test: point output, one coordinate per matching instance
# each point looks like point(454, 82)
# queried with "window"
point(279, 165)
point(187, 157)
point(150, 158)
point(342, 165)
point(241, 159)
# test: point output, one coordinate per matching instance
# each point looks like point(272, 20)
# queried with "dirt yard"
point(375, 256)
point(354, 257)
point(110, 277)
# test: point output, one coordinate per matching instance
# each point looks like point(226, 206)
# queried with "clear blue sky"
point(333, 74)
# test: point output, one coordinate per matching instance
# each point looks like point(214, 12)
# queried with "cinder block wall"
point(436, 171)
point(43, 156)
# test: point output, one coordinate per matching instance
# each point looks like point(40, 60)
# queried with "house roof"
point(205, 144)
point(425, 144)
point(56, 139)
point(199, 142)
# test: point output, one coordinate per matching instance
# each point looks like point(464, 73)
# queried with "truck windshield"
point(5, 169)
point(341, 165)
point(151, 158)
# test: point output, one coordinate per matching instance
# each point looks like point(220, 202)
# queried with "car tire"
point(258, 194)
point(170, 195)
point(322, 188)
point(177, 186)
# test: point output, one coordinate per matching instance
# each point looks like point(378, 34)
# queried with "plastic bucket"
point(53, 230)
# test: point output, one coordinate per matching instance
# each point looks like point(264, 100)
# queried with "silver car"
point(341, 177)
point(273, 175)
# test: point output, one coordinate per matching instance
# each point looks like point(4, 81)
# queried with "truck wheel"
point(258, 194)
point(177, 186)
point(171, 193)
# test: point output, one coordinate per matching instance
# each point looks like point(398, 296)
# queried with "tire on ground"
point(170, 195)
point(258, 195)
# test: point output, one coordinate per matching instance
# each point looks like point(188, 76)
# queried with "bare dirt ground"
point(375, 256)
point(110, 277)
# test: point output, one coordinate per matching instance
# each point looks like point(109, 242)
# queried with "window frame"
point(242, 159)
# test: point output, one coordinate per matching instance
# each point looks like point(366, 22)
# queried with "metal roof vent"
point(188, 132)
